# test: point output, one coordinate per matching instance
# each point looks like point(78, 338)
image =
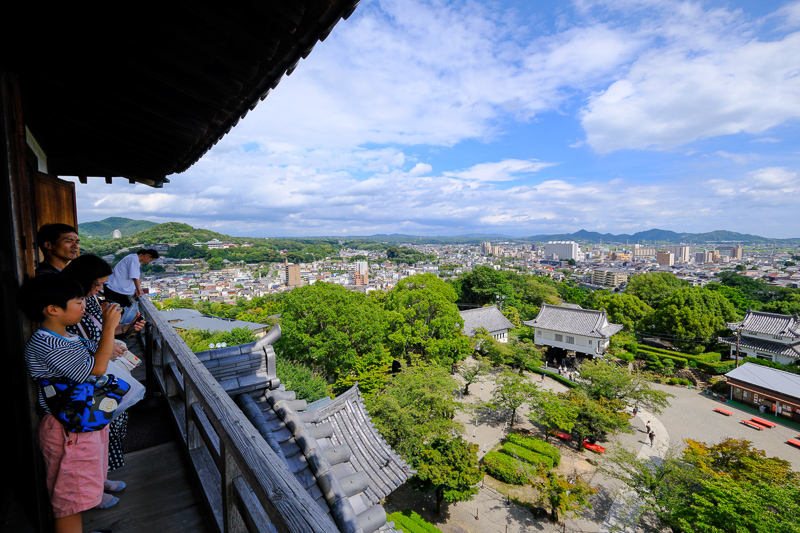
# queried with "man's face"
point(66, 248)
point(145, 259)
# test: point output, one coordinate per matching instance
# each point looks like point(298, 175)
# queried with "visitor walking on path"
point(652, 436)
point(647, 427)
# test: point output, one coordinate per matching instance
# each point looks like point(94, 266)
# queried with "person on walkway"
point(635, 410)
point(59, 244)
point(542, 377)
point(647, 427)
point(123, 286)
point(91, 272)
point(652, 436)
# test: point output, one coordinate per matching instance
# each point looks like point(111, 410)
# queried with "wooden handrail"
point(229, 456)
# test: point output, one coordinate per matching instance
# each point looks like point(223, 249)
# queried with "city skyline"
point(450, 118)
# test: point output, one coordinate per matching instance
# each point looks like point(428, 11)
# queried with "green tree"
point(199, 340)
point(216, 263)
point(565, 495)
point(473, 373)
point(511, 392)
point(307, 384)
point(176, 302)
point(417, 406)
point(726, 488)
point(329, 328)
point(693, 314)
point(449, 468)
point(604, 380)
point(553, 412)
point(424, 322)
point(653, 288)
point(483, 285)
point(595, 417)
point(622, 308)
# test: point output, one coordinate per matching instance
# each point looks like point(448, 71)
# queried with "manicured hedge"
point(507, 469)
point(556, 376)
point(536, 445)
point(680, 362)
point(707, 357)
point(526, 455)
point(717, 368)
point(411, 522)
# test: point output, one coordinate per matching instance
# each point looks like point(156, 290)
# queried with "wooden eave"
point(144, 92)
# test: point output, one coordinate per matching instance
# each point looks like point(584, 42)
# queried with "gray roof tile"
point(484, 317)
point(769, 323)
point(586, 322)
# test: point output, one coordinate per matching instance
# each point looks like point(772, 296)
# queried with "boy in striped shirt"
point(76, 463)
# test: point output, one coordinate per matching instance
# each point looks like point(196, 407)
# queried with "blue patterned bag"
point(87, 406)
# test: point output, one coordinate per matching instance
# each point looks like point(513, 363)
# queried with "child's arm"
point(105, 348)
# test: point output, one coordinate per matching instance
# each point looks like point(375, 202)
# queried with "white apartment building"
point(562, 250)
point(682, 253)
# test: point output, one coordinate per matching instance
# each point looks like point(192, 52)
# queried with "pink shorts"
point(76, 466)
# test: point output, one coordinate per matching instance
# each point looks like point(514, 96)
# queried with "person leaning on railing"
point(91, 273)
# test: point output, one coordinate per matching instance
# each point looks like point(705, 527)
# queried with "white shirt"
point(121, 280)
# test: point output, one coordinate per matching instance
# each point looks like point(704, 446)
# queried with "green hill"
point(103, 229)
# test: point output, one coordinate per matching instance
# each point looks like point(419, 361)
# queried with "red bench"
point(594, 447)
point(753, 424)
point(723, 411)
point(794, 442)
point(763, 422)
point(563, 436)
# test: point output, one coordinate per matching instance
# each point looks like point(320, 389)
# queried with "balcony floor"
point(159, 497)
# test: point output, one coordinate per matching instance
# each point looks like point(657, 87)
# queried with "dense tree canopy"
point(604, 380)
point(693, 314)
point(622, 308)
point(424, 322)
point(448, 467)
point(329, 328)
point(417, 406)
point(729, 487)
point(653, 288)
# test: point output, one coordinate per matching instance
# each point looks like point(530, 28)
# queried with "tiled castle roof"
point(778, 348)
point(586, 322)
point(331, 446)
point(769, 323)
point(484, 317)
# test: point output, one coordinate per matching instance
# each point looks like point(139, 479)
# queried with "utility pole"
point(738, 336)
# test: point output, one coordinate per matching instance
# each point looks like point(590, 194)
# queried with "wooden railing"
point(245, 483)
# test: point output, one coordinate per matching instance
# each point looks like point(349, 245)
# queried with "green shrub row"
point(507, 469)
point(526, 455)
point(717, 368)
point(680, 362)
point(707, 357)
point(556, 376)
point(536, 445)
point(411, 522)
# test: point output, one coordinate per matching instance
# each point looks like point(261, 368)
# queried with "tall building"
point(640, 252)
point(665, 258)
point(291, 275)
point(681, 253)
point(486, 248)
point(609, 277)
point(361, 267)
point(563, 250)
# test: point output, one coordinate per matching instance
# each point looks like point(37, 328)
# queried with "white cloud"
point(711, 78)
point(508, 170)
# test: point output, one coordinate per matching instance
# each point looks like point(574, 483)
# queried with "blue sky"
point(517, 117)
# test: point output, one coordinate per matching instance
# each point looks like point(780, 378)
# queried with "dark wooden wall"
point(21, 466)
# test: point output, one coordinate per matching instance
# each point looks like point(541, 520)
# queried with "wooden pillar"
point(20, 460)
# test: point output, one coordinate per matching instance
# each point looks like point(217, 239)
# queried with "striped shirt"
point(50, 356)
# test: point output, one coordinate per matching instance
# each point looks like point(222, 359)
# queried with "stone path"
point(624, 510)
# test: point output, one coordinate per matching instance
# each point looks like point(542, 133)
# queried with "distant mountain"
point(661, 237)
point(103, 229)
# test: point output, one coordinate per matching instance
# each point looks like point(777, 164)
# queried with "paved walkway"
point(691, 415)
point(623, 512)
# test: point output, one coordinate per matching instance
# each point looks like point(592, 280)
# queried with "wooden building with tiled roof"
point(768, 336)
point(584, 331)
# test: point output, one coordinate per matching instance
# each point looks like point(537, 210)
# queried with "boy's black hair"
point(87, 269)
point(152, 253)
point(51, 232)
point(47, 289)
